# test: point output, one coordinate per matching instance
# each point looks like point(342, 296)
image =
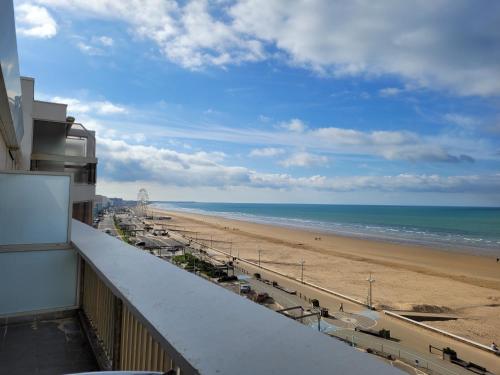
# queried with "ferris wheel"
point(142, 201)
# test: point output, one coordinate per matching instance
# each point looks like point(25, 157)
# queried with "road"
point(107, 223)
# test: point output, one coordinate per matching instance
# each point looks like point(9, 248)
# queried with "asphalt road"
point(107, 223)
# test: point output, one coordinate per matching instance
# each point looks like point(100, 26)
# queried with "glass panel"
point(49, 138)
point(9, 66)
point(34, 208)
point(37, 280)
point(76, 146)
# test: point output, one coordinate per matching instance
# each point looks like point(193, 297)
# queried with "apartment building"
point(59, 144)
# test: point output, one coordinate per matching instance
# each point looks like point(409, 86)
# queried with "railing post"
point(82, 282)
point(117, 332)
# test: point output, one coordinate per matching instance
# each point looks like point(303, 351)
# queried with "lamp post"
point(302, 271)
point(370, 282)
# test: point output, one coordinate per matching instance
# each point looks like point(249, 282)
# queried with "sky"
point(347, 102)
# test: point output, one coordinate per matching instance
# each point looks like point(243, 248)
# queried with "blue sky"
point(278, 101)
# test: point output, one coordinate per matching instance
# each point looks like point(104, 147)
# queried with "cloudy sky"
point(379, 102)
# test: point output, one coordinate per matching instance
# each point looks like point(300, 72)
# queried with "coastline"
point(408, 276)
point(400, 235)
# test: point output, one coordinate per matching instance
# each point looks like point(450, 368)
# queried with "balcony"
point(64, 147)
point(138, 311)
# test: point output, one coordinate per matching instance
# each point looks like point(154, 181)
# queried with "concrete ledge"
point(440, 331)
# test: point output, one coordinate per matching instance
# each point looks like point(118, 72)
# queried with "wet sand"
point(407, 277)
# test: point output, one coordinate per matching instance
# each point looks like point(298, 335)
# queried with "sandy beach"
point(407, 277)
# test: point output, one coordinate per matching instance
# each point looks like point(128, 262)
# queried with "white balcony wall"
point(49, 111)
point(38, 267)
point(34, 208)
point(37, 280)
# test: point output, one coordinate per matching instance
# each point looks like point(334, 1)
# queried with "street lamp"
point(302, 271)
point(370, 281)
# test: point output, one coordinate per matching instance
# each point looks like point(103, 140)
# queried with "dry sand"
point(406, 276)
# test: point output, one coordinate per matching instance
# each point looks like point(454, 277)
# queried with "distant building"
point(117, 202)
point(101, 203)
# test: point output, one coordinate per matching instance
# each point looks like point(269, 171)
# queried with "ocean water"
point(470, 229)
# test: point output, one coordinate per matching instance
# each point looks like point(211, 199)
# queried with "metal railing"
point(140, 351)
point(123, 339)
point(99, 306)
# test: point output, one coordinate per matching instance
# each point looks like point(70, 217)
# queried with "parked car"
point(245, 288)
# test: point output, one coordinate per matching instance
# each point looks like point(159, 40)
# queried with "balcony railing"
point(62, 142)
point(123, 340)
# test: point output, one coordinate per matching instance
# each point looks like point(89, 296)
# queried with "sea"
point(473, 230)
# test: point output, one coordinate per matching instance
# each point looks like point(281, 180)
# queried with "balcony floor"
point(56, 346)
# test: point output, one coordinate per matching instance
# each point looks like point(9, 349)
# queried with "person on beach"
point(494, 347)
point(341, 308)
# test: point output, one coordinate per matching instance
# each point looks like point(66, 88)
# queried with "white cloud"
point(186, 34)
point(106, 41)
point(35, 21)
point(390, 91)
point(461, 120)
point(107, 108)
point(130, 162)
point(304, 159)
point(123, 161)
point(431, 45)
point(89, 49)
point(97, 46)
point(294, 125)
point(390, 145)
point(78, 107)
point(353, 137)
point(266, 152)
